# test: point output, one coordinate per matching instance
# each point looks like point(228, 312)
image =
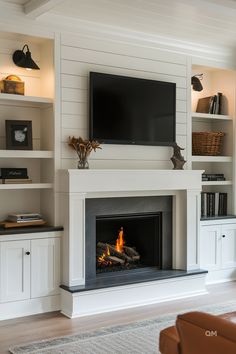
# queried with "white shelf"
point(197, 158)
point(217, 183)
point(26, 154)
point(27, 186)
point(33, 101)
point(210, 117)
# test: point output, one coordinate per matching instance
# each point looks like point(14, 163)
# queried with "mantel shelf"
point(198, 158)
point(33, 101)
point(217, 183)
point(210, 117)
point(26, 154)
point(27, 186)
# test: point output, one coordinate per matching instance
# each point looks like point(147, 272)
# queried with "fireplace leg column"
point(186, 225)
point(73, 217)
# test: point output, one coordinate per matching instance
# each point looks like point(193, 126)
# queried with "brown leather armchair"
point(200, 333)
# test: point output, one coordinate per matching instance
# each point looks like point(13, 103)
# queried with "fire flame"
point(102, 258)
point(120, 241)
point(119, 248)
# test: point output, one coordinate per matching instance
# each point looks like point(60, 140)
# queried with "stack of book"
point(210, 104)
point(213, 177)
point(14, 175)
point(215, 104)
point(24, 218)
point(213, 204)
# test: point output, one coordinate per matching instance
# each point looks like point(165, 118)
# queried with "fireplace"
point(128, 236)
point(125, 242)
point(89, 195)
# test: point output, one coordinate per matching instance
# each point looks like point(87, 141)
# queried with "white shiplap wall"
point(79, 56)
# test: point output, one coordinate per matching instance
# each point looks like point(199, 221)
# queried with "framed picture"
point(18, 134)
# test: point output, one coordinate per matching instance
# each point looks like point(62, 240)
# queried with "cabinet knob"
point(27, 253)
point(223, 235)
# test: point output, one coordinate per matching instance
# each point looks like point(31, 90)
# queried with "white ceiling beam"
point(36, 8)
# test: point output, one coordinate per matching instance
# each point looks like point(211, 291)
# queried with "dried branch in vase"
point(83, 149)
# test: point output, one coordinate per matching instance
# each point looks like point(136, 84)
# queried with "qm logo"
point(211, 333)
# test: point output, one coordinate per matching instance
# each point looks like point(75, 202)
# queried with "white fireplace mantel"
point(77, 185)
point(101, 181)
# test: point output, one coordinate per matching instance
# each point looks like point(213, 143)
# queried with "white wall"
point(79, 56)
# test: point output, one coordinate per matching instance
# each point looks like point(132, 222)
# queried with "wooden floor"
point(34, 328)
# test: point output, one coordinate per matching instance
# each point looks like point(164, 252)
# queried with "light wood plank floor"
point(34, 328)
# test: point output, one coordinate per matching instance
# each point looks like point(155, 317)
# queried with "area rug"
point(134, 338)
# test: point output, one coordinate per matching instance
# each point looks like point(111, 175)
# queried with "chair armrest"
point(206, 334)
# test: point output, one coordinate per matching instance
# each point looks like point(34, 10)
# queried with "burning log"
point(131, 252)
point(116, 260)
point(114, 252)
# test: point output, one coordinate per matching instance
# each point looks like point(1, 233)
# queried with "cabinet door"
point(15, 270)
point(45, 267)
point(228, 246)
point(210, 247)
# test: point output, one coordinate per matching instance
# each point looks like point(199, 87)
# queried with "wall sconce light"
point(196, 83)
point(24, 60)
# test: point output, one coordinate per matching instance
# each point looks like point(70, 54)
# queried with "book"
point(213, 204)
point(15, 180)
point(13, 173)
point(24, 217)
point(203, 105)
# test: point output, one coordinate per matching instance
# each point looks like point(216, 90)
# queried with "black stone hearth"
point(138, 276)
point(147, 224)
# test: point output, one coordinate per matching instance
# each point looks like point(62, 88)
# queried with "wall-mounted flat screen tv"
point(127, 110)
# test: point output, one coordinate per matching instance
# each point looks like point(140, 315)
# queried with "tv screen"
point(126, 110)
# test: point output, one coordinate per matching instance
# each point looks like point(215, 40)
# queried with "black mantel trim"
point(29, 230)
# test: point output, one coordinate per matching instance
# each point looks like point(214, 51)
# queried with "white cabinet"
point(210, 247)
point(45, 267)
point(218, 246)
point(15, 270)
point(29, 269)
point(228, 242)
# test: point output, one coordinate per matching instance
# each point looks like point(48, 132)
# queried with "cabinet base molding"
point(92, 302)
point(221, 276)
point(28, 307)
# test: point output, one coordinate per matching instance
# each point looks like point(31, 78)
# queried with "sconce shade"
point(196, 83)
point(24, 60)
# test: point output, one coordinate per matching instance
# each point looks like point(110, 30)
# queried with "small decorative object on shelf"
point(12, 84)
point(83, 149)
point(18, 135)
point(177, 159)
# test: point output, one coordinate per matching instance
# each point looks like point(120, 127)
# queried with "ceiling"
point(204, 22)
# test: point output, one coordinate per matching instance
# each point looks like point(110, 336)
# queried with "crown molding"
point(13, 19)
point(223, 56)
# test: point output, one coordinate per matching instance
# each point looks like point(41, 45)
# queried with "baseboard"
point(123, 297)
point(221, 276)
point(28, 307)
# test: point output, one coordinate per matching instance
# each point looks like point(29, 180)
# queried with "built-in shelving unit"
point(216, 80)
point(33, 101)
point(37, 106)
point(27, 186)
point(217, 183)
point(197, 158)
point(26, 154)
point(210, 117)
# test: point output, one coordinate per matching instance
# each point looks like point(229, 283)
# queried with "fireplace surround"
point(147, 224)
point(81, 296)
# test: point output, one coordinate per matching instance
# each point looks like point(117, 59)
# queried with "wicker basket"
point(207, 143)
